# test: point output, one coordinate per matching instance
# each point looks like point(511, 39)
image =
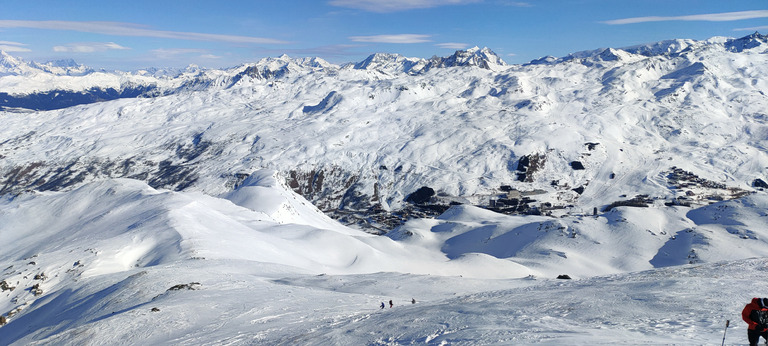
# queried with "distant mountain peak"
point(660, 48)
point(389, 62)
point(10, 65)
point(315, 62)
point(63, 67)
point(9, 60)
point(4, 55)
point(63, 63)
point(747, 42)
point(481, 57)
point(611, 54)
point(281, 66)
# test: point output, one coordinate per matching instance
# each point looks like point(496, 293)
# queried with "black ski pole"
point(727, 322)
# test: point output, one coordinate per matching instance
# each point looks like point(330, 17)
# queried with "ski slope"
point(264, 266)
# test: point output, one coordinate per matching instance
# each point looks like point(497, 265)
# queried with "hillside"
point(117, 261)
point(675, 123)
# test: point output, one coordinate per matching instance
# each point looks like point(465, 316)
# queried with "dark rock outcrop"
point(190, 286)
point(421, 196)
point(577, 165)
point(528, 165)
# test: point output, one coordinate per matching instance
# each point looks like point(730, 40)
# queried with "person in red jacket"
point(756, 316)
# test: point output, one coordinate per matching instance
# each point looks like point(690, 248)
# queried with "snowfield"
point(200, 212)
point(274, 270)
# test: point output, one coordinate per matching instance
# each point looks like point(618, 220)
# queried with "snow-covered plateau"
point(282, 202)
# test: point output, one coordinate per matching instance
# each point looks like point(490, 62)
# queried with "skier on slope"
point(390, 303)
point(382, 305)
point(756, 316)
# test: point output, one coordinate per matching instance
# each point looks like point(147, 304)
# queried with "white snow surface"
point(460, 130)
point(108, 253)
point(115, 261)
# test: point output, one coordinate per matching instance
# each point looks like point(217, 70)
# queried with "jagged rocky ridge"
point(52, 89)
point(678, 122)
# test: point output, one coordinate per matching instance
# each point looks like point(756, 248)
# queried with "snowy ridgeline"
point(61, 84)
point(117, 261)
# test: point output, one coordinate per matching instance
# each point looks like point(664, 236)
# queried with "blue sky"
point(140, 33)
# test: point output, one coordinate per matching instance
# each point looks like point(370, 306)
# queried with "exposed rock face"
point(178, 171)
point(528, 165)
point(52, 176)
point(190, 286)
point(36, 290)
point(341, 192)
point(5, 286)
point(639, 201)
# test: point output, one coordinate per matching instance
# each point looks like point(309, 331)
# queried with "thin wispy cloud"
point(710, 17)
point(402, 38)
point(384, 6)
point(89, 47)
point(516, 3)
point(12, 43)
point(134, 30)
point(452, 45)
point(754, 28)
point(172, 53)
point(10, 46)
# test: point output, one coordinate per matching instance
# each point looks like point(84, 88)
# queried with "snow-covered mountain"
point(10, 65)
point(62, 84)
point(395, 63)
point(201, 205)
point(678, 122)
